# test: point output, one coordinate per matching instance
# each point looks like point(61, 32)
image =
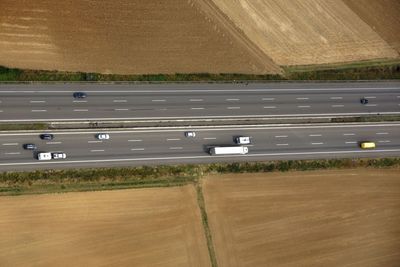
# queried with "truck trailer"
point(229, 150)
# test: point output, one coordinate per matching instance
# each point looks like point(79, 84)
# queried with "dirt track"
point(333, 218)
point(143, 227)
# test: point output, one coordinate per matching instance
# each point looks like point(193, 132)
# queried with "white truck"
point(229, 150)
point(51, 155)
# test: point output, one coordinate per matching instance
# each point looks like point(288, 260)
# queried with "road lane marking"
point(121, 109)
point(268, 99)
point(97, 150)
point(195, 100)
point(53, 143)
point(302, 98)
point(232, 99)
point(176, 148)
point(173, 139)
point(196, 108)
point(351, 142)
point(2, 111)
point(80, 110)
point(281, 136)
point(384, 141)
point(80, 101)
point(270, 107)
point(370, 97)
point(12, 153)
point(158, 100)
point(336, 97)
point(349, 134)
point(282, 144)
point(382, 133)
point(135, 140)
point(209, 138)
point(371, 105)
point(233, 107)
point(37, 101)
point(120, 101)
point(315, 135)
point(320, 143)
point(39, 110)
point(303, 106)
point(137, 149)
point(97, 141)
point(337, 106)
point(10, 144)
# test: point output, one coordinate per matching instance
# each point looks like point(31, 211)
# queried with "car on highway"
point(79, 95)
point(190, 134)
point(367, 145)
point(29, 146)
point(58, 155)
point(46, 136)
point(243, 140)
point(364, 101)
point(102, 136)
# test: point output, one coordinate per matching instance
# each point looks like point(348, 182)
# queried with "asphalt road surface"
point(170, 146)
point(54, 102)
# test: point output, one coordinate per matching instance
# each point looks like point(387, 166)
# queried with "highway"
point(149, 146)
point(54, 102)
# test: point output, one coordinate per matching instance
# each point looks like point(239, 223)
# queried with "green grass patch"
point(30, 126)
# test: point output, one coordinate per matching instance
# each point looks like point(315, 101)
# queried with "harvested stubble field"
point(141, 227)
point(327, 218)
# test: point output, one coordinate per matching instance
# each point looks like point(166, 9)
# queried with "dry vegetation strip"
point(327, 218)
point(142, 227)
point(301, 32)
point(121, 36)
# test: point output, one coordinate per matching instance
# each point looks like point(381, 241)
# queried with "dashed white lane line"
point(39, 110)
point(97, 150)
point(135, 140)
point(158, 100)
point(37, 101)
point(281, 136)
point(81, 110)
point(209, 138)
point(173, 139)
point(120, 101)
point(176, 148)
point(303, 106)
point(270, 107)
point(351, 142)
point(336, 97)
point(302, 98)
point(53, 143)
point(1, 111)
point(315, 135)
point(80, 101)
point(349, 134)
point(10, 144)
point(370, 97)
point(94, 142)
point(371, 105)
point(137, 149)
point(232, 99)
point(384, 141)
point(282, 144)
point(12, 153)
point(196, 100)
point(337, 106)
point(382, 133)
point(268, 99)
point(320, 143)
point(197, 108)
point(121, 109)
point(233, 107)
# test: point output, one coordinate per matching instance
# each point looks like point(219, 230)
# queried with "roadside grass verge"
point(22, 126)
point(52, 181)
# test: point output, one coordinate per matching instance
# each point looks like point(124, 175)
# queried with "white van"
point(243, 140)
point(44, 156)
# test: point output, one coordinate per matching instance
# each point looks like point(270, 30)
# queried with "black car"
point(364, 101)
point(46, 136)
point(29, 146)
point(80, 95)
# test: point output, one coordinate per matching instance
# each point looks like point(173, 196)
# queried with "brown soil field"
point(327, 218)
point(303, 32)
point(143, 227)
point(383, 16)
point(124, 37)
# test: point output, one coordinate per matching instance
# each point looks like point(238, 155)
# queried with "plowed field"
point(330, 218)
point(143, 227)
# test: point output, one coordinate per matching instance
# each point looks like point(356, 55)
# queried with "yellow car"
point(367, 145)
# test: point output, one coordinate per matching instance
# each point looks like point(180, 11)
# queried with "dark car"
point(364, 101)
point(80, 95)
point(29, 146)
point(46, 136)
